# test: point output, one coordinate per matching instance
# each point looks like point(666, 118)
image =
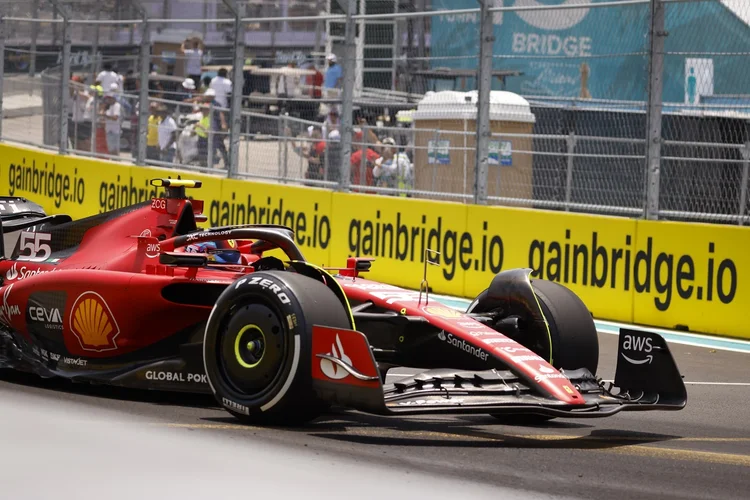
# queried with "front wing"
point(346, 374)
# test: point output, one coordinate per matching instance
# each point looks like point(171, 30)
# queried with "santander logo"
point(331, 370)
point(12, 273)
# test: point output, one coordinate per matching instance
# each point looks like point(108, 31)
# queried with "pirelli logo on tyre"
point(92, 322)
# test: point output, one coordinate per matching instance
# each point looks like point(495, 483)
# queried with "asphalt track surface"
point(702, 451)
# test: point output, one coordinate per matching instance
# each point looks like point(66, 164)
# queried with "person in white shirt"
point(113, 123)
point(108, 76)
point(393, 169)
point(222, 86)
point(192, 48)
point(79, 129)
point(168, 132)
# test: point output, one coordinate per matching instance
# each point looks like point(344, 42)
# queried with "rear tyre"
point(257, 346)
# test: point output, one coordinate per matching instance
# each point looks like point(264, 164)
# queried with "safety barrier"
point(665, 274)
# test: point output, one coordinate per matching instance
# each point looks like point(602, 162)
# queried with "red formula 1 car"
point(141, 297)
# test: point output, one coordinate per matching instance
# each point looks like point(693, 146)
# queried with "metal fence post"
point(396, 50)
point(657, 34)
point(2, 70)
point(743, 187)
point(65, 76)
point(94, 124)
point(211, 139)
point(572, 141)
point(143, 107)
point(34, 36)
point(238, 66)
point(347, 96)
point(284, 148)
point(484, 86)
point(93, 61)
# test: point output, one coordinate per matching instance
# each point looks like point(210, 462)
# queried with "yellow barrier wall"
point(657, 273)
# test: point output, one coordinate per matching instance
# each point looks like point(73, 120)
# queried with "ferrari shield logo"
point(92, 322)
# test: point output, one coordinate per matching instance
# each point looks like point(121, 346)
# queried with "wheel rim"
point(252, 347)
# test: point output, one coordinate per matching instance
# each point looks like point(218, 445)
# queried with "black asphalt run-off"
point(700, 452)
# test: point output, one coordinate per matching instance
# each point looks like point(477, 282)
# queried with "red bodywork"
point(116, 267)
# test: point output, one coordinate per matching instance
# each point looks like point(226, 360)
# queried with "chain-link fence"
point(625, 107)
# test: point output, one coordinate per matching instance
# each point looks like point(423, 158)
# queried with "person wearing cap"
point(187, 96)
point(112, 121)
point(332, 156)
point(393, 169)
point(334, 73)
point(332, 82)
point(332, 121)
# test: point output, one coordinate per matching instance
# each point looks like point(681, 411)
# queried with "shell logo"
point(442, 311)
point(93, 323)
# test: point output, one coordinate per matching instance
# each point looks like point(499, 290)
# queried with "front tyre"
point(257, 346)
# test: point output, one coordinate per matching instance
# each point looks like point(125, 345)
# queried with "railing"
point(635, 154)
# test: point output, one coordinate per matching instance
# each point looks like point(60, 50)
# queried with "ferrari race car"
point(141, 297)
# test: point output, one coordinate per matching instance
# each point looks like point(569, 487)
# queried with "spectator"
point(187, 96)
point(334, 74)
point(288, 84)
point(90, 116)
point(393, 169)
point(108, 76)
point(167, 132)
point(331, 84)
point(332, 121)
point(153, 152)
point(222, 86)
point(218, 126)
point(312, 86)
point(205, 83)
point(332, 159)
point(79, 128)
point(113, 121)
point(358, 157)
point(202, 129)
point(311, 148)
point(192, 48)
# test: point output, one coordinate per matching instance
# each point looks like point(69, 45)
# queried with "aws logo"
point(93, 324)
point(546, 19)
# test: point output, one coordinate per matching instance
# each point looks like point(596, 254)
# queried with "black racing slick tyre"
point(575, 343)
point(257, 346)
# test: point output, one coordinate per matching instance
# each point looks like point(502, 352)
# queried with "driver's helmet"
point(221, 251)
